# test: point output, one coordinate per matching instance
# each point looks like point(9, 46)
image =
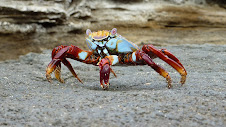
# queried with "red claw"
point(51, 67)
point(105, 69)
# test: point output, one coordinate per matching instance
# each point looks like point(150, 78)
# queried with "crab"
point(108, 48)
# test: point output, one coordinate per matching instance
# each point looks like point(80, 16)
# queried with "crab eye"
point(113, 31)
point(88, 32)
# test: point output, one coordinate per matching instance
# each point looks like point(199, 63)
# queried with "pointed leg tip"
point(62, 81)
point(106, 86)
point(169, 86)
point(102, 86)
point(49, 79)
point(183, 80)
point(81, 82)
point(169, 82)
point(48, 76)
point(79, 79)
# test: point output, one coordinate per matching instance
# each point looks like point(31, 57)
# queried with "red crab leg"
point(142, 56)
point(170, 55)
point(68, 65)
point(60, 53)
point(171, 60)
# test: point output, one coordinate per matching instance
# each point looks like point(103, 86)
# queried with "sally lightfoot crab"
point(108, 48)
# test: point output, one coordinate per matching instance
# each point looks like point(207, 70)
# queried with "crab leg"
point(170, 55)
point(171, 60)
point(68, 65)
point(60, 53)
point(157, 68)
point(141, 58)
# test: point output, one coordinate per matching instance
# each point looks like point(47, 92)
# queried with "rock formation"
point(33, 25)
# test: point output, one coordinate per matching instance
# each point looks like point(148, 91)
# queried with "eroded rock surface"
point(36, 25)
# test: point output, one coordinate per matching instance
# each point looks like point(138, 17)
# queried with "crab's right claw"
point(104, 76)
point(105, 69)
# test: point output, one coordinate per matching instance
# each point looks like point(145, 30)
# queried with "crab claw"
point(104, 73)
point(58, 56)
point(51, 67)
point(57, 73)
point(104, 76)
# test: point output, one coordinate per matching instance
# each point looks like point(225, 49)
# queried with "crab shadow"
point(118, 85)
point(124, 87)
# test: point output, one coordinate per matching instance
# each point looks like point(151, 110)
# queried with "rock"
point(57, 12)
point(32, 25)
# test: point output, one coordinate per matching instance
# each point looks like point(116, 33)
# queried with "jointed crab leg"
point(171, 60)
point(141, 57)
point(60, 53)
point(170, 55)
point(68, 65)
point(109, 48)
point(156, 67)
point(137, 57)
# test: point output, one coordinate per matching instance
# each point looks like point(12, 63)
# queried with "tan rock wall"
point(33, 25)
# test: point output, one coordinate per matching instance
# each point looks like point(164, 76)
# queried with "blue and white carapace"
point(107, 43)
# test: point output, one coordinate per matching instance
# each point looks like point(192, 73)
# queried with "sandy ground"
point(137, 97)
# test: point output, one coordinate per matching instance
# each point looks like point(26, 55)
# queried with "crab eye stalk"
point(113, 32)
point(88, 32)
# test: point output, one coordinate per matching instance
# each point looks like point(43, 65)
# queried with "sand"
point(137, 97)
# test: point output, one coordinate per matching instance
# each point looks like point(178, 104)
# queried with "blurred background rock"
point(35, 25)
